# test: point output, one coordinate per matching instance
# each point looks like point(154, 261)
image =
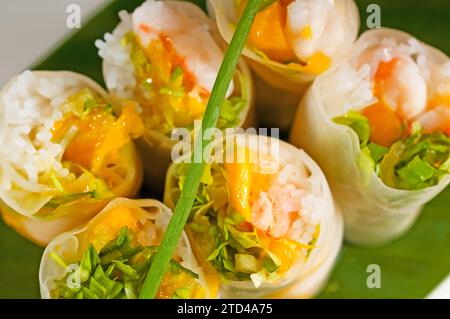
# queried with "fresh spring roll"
point(65, 152)
point(379, 126)
point(166, 56)
point(110, 256)
point(290, 43)
point(265, 226)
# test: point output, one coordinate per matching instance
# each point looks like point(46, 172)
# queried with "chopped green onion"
point(125, 268)
point(417, 171)
point(247, 264)
point(270, 265)
point(195, 170)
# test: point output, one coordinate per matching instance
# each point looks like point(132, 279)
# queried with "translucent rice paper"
point(155, 147)
point(28, 214)
point(374, 214)
point(304, 279)
point(280, 87)
point(71, 245)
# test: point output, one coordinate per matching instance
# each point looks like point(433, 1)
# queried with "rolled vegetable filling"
point(402, 118)
point(168, 71)
point(63, 142)
point(250, 224)
point(304, 34)
point(98, 137)
point(118, 252)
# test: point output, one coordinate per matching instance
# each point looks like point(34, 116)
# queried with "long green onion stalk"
point(195, 170)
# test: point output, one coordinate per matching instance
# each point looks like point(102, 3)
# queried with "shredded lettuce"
point(247, 264)
point(68, 198)
point(85, 101)
point(96, 189)
point(415, 162)
point(358, 123)
point(118, 271)
point(165, 98)
point(230, 114)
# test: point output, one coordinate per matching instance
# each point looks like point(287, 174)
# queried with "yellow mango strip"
point(240, 182)
point(106, 229)
point(386, 126)
point(439, 100)
point(284, 249)
point(268, 32)
point(245, 184)
point(315, 65)
point(128, 126)
point(172, 282)
point(98, 135)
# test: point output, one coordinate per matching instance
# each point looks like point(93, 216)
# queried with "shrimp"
point(436, 120)
point(189, 36)
point(275, 211)
point(313, 26)
point(398, 81)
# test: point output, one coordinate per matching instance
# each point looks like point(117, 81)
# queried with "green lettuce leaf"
point(358, 123)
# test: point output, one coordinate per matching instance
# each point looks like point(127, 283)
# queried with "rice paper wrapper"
point(71, 245)
point(304, 279)
point(280, 87)
point(374, 214)
point(155, 147)
point(30, 217)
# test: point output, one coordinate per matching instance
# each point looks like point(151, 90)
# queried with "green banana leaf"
point(410, 267)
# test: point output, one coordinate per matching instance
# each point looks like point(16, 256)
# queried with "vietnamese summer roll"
point(110, 256)
point(290, 43)
point(263, 223)
point(378, 124)
point(66, 152)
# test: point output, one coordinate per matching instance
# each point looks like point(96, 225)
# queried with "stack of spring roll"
point(374, 115)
